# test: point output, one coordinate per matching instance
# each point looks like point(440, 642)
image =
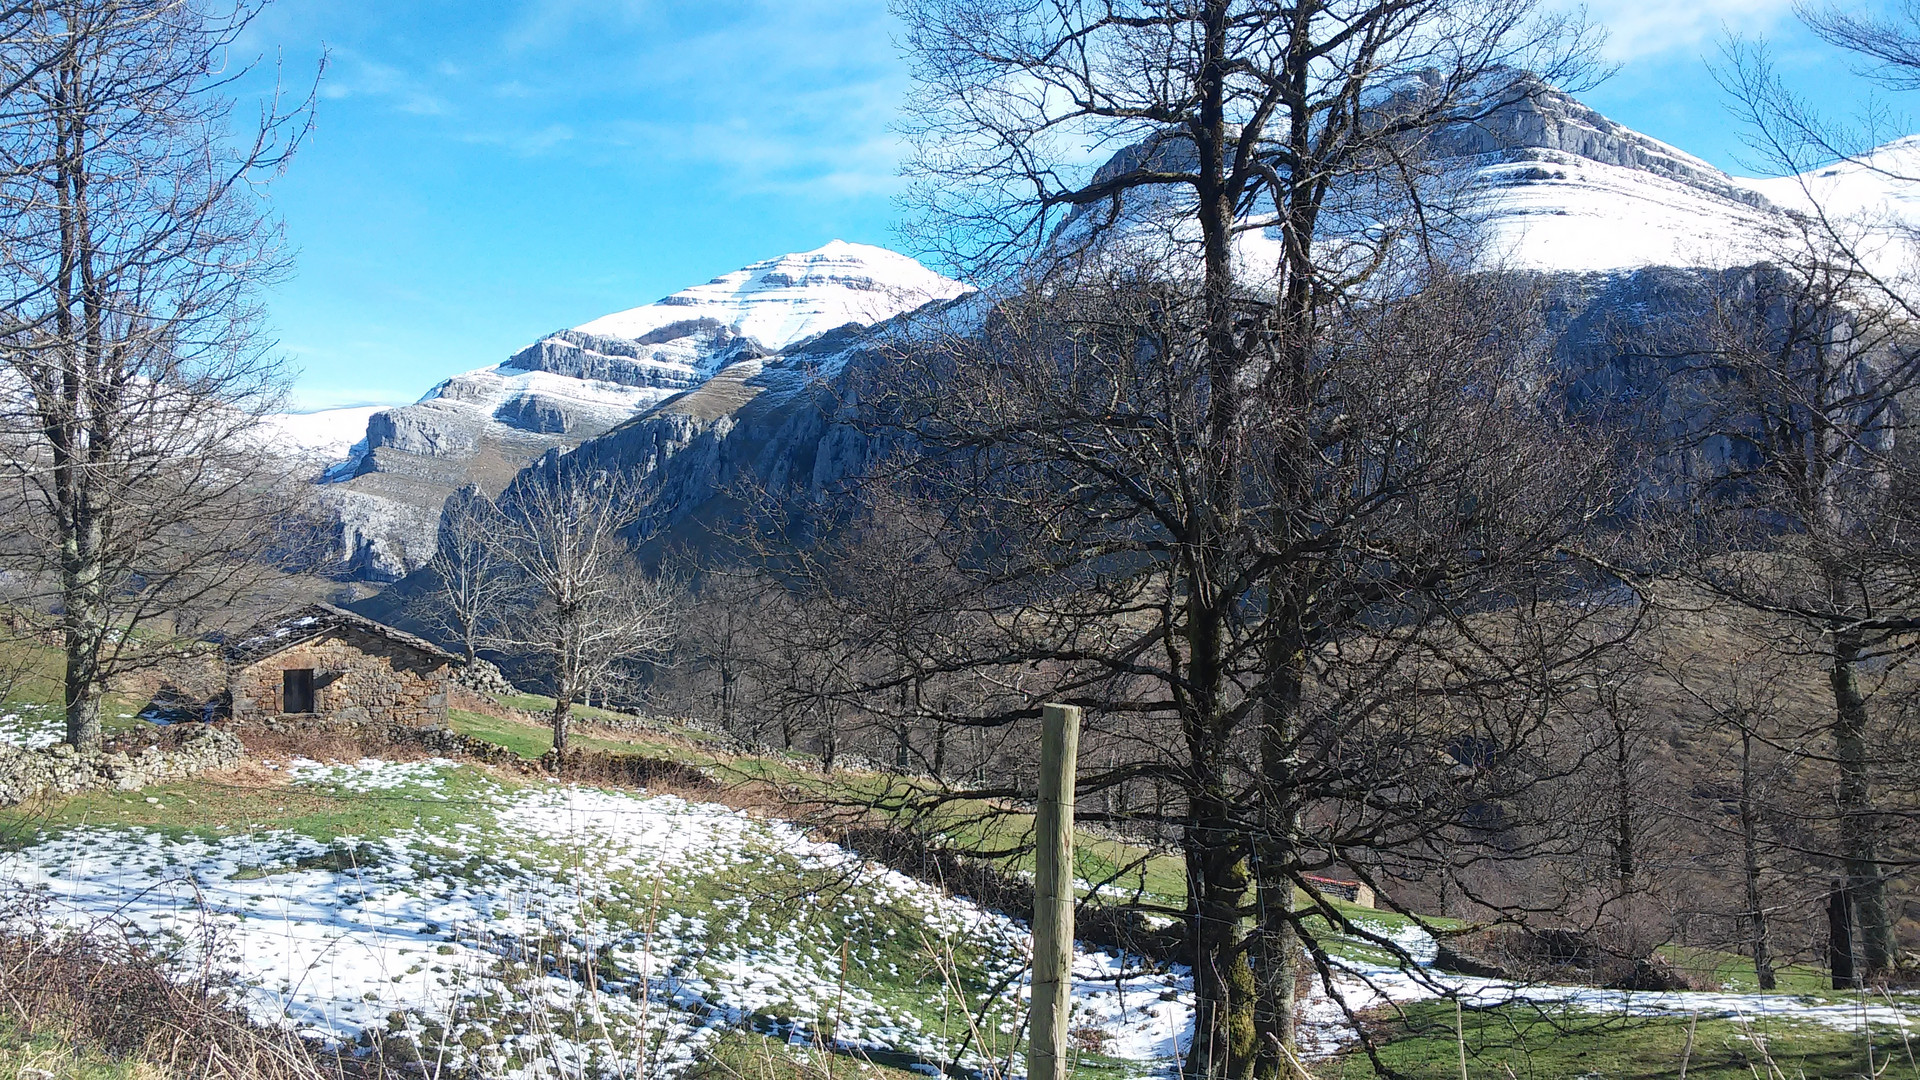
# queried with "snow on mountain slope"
point(1564, 189)
point(328, 432)
point(1883, 183)
point(502, 389)
point(781, 301)
point(607, 369)
point(1874, 200)
point(1554, 211)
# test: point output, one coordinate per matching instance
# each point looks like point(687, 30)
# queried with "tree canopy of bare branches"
point(133, 367)
point(585, 606)
point(472, 582)
point(1803, 394)
point(1235, 457)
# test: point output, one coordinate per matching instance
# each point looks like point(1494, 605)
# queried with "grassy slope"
point(1510, 1042)
point(965, 824)
point(1422, 1045)
point(969, 825)
point(35, 676)
point(212, 808)
point(1734, 972)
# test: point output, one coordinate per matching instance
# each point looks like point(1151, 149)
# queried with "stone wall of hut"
point(357, 677)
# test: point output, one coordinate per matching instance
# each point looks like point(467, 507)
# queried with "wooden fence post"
point(1053, 895)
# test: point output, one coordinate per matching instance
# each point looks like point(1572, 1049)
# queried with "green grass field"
point(1521, 1043)
point(1734, 972)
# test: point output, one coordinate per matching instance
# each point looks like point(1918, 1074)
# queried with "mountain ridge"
point(1560, 191)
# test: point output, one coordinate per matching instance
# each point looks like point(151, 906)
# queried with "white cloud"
point(1637, 29)
point(354, 75)
point(775, 95)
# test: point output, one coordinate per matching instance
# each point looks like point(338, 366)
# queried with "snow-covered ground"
point(1565, 212)
point(34, 726)
point(1364, 985)
point(536, 931)
point(546, 928)
point(30, 725)
point(328, 433)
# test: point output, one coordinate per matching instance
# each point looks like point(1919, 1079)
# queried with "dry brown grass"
point(322, 741)
point(102, 997)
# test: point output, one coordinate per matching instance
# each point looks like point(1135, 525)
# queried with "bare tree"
point(1073, 552)
point(133, 369)
point(472, 583)
point(1804, 394)
point(1745, 702)
point(720, 649)
point(586, 607)
point(1854, 398)
point(1203, 457)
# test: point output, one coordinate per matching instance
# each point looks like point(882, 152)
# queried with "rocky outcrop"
point(656, 359)
point(380, 538)
point(441, 427)
point(62, 770)
point(1542, 123)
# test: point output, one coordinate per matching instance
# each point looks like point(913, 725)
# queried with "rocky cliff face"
point(745, 383)
point(1546, 125)
point(1623, 234)
point(790, 428)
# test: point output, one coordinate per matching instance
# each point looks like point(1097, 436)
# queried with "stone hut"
point(324, 661)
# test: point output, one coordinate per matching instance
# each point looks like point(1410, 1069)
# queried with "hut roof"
point(307, 623)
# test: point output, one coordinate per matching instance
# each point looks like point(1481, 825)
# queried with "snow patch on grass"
point(1365, 984)
point(560, 930)
point(31, 726)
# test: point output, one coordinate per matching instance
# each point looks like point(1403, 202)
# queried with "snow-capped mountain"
point(740, 376)
point(1562, 189)
point(783, 301)
point(1624, 234)
point(481, 426)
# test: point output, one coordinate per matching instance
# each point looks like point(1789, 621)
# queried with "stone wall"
point(483, 677)
point(357, 677)
point(62, 770)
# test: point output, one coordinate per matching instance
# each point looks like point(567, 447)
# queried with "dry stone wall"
point(62, 770)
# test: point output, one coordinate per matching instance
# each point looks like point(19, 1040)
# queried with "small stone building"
point(324, 661)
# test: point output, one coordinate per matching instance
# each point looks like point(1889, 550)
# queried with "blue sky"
point(483, 172)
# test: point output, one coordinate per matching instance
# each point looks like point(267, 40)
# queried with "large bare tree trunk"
point(1275, 850)
point(561, 719)
point(1866, 882)
point(1224, 1035)
point(1750, 866)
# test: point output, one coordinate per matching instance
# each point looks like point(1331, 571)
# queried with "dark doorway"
point(296, 692)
